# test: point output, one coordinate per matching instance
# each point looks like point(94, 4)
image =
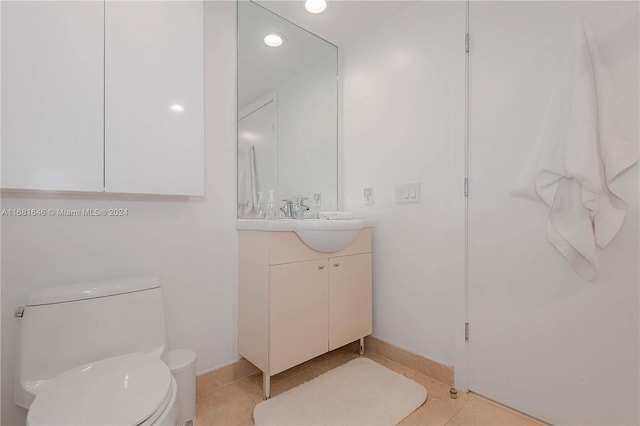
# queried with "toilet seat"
point(133, 389)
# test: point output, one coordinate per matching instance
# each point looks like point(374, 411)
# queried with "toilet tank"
point(69, 326)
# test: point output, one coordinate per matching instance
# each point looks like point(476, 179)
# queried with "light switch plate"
point(408, 193)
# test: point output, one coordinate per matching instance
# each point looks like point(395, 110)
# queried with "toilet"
point(95, 354)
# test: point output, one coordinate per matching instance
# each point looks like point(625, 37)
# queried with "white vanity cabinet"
point(296, 303)
point(349, 298)
point(298, 314)
point(103, 96)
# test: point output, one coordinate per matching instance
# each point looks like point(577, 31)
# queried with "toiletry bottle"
point(261, 211)
point(272, 213)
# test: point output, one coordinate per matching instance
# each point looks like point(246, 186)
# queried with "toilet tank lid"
point(90, 290)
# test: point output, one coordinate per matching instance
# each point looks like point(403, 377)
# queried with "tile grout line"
point(464, 404)
point(507, 408)
point(247, 394)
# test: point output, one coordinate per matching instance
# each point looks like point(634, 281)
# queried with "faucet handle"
point(300, 208)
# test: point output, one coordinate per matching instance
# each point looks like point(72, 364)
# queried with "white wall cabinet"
point(296, 303)
point(52, 95)
point(103, 96)
point(154, 97)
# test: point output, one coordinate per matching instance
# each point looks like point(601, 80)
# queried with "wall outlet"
point(368, 196)
point(317, 199)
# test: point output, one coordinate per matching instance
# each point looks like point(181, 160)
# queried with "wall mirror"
point(287, 113)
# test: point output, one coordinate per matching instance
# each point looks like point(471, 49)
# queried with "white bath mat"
point(360, 392)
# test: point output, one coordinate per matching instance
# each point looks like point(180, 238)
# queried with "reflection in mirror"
point(287, 114)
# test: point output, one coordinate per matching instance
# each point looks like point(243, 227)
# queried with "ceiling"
point(342, 20)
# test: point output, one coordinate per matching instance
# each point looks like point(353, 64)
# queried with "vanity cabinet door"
point(298, 317)
point(52, 95)
point(154, 97)
point(350, 316)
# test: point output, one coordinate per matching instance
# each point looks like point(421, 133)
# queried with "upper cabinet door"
point(52, 95)
point(154, 113)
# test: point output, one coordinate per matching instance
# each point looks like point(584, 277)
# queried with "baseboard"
point(219, 377)
point(441, 372)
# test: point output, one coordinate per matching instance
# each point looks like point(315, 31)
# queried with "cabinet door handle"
point(321, 267)
point(335, 265)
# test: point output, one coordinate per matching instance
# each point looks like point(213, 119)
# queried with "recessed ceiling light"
point(176, 108)
point(315, 6)
point(274, 40)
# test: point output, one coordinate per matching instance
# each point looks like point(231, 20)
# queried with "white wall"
point(403, 100)
point(542, 339)
point(189, 243)
point(1, 400)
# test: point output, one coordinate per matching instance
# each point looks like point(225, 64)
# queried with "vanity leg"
point(361, 350)
point(266, 385)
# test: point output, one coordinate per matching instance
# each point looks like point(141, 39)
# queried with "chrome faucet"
point(287, 209)
point(300, 207)
point(294, 212)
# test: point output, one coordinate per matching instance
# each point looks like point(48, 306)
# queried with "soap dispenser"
point(261, 212)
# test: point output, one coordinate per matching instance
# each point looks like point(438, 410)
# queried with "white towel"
point(335, 215)
point(578, 157)
point(247, 181)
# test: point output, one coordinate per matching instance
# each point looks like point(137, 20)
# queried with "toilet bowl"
point(92, 354)
point(134, 389)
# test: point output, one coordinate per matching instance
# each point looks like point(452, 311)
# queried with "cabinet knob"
point(321, 267)
point(335, 265)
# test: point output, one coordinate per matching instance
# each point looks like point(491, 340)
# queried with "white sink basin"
point(326, 236)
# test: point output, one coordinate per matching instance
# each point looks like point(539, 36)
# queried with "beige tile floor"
point(233, 404)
